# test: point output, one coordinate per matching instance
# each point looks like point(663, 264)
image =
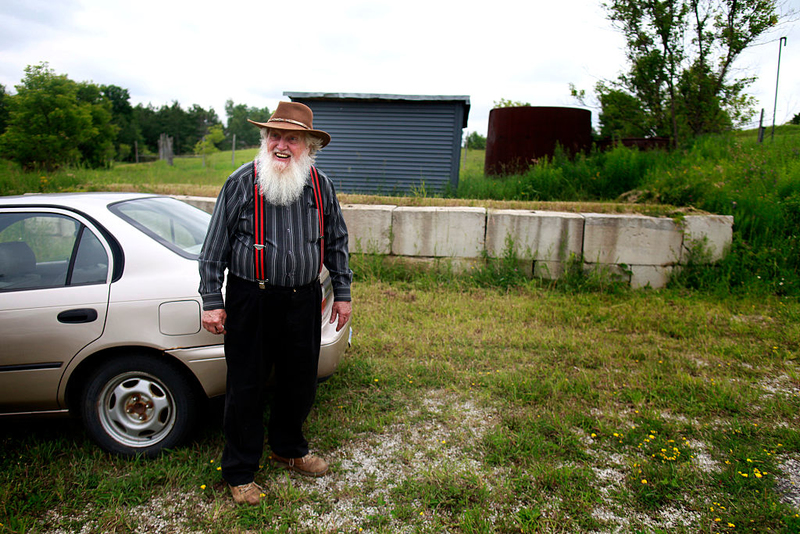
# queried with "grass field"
point(471, 409)
point(487, 403)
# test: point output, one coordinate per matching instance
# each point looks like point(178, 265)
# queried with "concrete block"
point(610, 270)
point(715, 231)
point(652, 275)
point(369, 227)
point(631, 240)
point(441, 264)
point(549, 270)
point(204, 203)
point(545, 236)
point(438, 232)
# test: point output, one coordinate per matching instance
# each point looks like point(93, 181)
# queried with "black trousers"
point(266, 328)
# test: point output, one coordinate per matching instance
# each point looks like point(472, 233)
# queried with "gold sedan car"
point(100, 316)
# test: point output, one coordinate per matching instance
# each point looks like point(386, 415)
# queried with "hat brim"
point(325, 137)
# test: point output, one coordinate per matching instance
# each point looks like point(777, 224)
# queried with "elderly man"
point(266, 232)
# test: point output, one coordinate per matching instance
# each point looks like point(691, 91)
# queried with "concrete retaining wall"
point(642, 250)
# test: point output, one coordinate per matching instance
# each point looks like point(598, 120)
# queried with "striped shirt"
point(291, 240)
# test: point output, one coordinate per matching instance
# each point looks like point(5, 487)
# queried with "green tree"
point(504, 103)
point(795, 119)
point(476, 141)
point(201, 121)
point(177, 123)
point(55, 121)
point(681, 54)
point(122, 117)
point(210, 143)
point(185, 127)
point(622, 115)
point(246, 133)
point(3, 108)
point(97, 145)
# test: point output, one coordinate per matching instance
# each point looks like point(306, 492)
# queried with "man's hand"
point(214, 321)
point(341, 310)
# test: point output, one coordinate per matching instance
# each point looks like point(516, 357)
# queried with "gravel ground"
point(445, 434)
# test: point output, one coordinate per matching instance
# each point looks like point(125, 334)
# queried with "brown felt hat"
point(294, 116)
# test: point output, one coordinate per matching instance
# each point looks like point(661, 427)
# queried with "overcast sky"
point(203, 52)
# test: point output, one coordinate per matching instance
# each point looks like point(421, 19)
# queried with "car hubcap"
point(136, 409)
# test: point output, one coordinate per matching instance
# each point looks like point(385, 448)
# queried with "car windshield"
point(175, 224)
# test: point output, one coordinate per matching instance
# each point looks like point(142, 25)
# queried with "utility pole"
point(781, 44)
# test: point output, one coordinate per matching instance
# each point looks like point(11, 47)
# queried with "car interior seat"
point(17, 264)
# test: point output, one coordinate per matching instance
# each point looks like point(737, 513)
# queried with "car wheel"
point(138, 405)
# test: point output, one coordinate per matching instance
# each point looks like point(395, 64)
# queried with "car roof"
point(71, 200)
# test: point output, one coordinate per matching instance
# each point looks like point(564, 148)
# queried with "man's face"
point(285, 147)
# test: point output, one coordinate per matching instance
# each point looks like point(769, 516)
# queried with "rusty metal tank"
point(519, 136)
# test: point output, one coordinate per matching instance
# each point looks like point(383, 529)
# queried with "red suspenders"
point(258, 230)
point(320, 214)
point(260, 222)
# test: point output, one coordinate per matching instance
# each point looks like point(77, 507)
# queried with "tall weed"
point(757, 183)
point(596, 176)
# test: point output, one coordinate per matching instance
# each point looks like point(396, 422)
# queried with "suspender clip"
point(262, 284)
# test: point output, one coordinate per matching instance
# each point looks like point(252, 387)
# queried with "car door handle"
point(80, 315)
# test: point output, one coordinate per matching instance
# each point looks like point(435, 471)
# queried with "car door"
point(54, 286)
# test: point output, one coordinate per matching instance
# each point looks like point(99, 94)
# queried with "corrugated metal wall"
point(384, 146)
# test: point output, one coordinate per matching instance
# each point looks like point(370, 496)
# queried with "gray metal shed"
point(389, 144)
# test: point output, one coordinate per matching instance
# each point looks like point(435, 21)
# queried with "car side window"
point(91, 261)
point(40, 250)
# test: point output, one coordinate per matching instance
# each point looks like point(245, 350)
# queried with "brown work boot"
point(309, 465)
point(247, 493)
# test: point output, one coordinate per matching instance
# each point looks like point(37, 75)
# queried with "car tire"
point(138, 405)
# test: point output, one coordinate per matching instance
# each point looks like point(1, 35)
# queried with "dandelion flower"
point(644, 481)
point(202, 486)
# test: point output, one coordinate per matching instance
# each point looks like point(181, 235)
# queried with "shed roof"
point(294, 95)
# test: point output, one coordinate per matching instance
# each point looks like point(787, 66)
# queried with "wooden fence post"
point(165, 148)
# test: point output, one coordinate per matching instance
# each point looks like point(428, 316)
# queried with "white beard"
point(282, 184)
